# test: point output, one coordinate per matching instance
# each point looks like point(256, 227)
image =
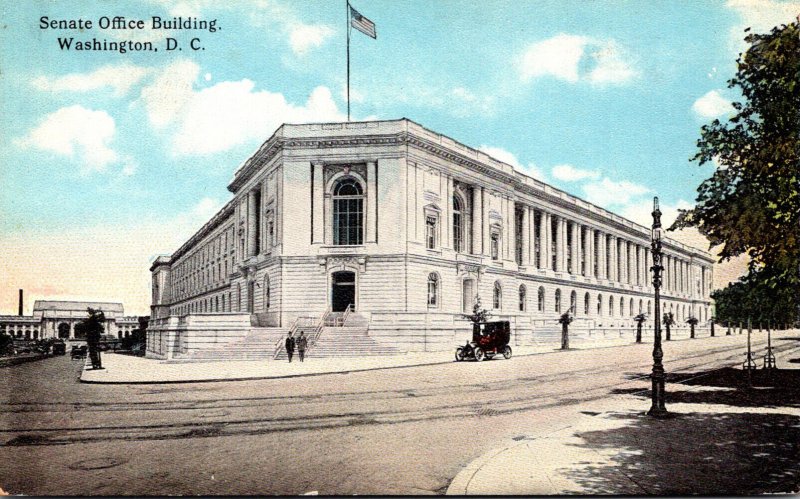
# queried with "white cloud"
point(640, 211)
point(304, 37)
point(569, 173)
point(611, 65)
point(78, 133)
point(761, 16)
point(561, 57)
point(711, 105)
point(510, 158)
point(606, 192)
point(557, 56)
point(227, 114)
point(170, 92)
point(120, 77)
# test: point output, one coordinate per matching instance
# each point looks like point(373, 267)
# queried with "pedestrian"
point(289, 346)
point(302, 343)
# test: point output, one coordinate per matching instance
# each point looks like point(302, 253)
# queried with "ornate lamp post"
point(657, 409)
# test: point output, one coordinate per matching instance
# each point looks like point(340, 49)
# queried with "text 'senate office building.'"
point(393, 229)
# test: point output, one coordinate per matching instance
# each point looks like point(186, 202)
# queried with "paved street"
point(416, 430)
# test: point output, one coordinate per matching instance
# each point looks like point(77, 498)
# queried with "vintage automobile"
point(59, 347)
point(488, 339)
point(78, 352)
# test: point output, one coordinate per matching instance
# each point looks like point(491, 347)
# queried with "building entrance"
point(343, 290)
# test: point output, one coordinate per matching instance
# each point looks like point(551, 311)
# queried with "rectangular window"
point(430, 232)
point(570, 242)
point(495, 245)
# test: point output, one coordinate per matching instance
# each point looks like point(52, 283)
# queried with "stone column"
point(372, 202)
point(318, 199)
point(526, 236)
point(477, 220)
point(251, 223)
point(547, 241)
point(576, 249)
point(510, 227)
point(560, 246)
point(612, 258)
point(542, 263)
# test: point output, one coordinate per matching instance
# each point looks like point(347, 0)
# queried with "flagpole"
point(347, 6)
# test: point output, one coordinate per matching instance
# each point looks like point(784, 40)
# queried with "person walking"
point(289, 346)
point(302, 343)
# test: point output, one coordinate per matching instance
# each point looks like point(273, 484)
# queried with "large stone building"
point(57, 319)
point(405, 227)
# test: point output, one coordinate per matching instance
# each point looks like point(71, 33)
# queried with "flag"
point(361, 23)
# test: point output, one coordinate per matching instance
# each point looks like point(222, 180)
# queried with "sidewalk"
point(722, 438)
point(123, 369)
point(127, 369)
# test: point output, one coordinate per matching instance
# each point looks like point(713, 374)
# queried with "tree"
point(639, 320)
point(751, 203)
point(565, 321)
point(93, 327)
point(668, 320)
point(753, 297)
point(479, 314)
point(692, 321)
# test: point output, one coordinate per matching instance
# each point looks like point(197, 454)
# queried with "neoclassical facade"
point(57, 319)
point(407, 227)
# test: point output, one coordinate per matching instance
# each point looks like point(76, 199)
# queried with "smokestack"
point(20, 302)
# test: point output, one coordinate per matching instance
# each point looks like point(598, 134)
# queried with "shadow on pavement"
point(696, 453)
point(770, 388)
point(716, 453)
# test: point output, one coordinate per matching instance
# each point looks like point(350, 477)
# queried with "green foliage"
point(6, 344)
point(92, 326)
point(668, 319)
point(565, 318)
point(640, 318)
point(751, 203)
point(692, 321)
point(138, 336)
point(479, 314)
point(753, 297)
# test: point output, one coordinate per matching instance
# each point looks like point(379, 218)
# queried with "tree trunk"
point(564, 336)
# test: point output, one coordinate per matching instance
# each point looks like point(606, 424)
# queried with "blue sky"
point(602, 99)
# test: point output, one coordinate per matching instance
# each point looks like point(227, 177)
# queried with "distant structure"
point(395, 229)
point(57, 319)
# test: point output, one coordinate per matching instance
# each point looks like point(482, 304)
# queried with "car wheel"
point(479, 355)
point(507, 352)
point(459, 354)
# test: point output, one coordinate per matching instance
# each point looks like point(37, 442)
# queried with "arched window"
point(573, 303)
point(621, 306)
point(522, 298)
point(458, 224)
point(649, 307)
point(586, 304)
point(630, 308)
point(348, 212)
point(599, 305)
point(498, 295)
point(640, 306)
point(558, 301)
point(611, 306)
point(540, 300)
point(433, 290)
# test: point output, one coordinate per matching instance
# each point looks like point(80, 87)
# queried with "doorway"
point(343, 290)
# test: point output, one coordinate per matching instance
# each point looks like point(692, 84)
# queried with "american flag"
point(361, 23)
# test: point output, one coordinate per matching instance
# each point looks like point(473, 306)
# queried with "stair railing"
point(318, 329)
point(345, 315)
point(279, 345)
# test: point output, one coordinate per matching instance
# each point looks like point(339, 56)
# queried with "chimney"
point(20, 302)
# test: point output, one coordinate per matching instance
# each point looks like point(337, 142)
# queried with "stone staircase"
point(348, 340)
point(259, 344)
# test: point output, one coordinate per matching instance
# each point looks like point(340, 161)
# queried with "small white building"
point(405, 228)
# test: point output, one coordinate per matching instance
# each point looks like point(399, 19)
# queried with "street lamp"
point(657, 409)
